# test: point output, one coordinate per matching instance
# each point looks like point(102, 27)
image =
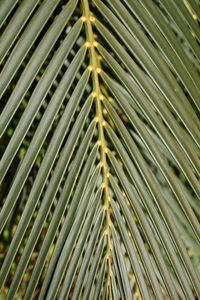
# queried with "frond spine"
point(95, 68)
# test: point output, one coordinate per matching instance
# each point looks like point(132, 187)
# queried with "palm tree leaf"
point(115, 293)
point(182, 26)
point(99, 284)
point(142, 131)
point(79, 194)
point(62, 262)
point(5, 8)
point(121, 265)
point(165, 39)
point(100, 149)
point(167, 32)
point(134, 91)
point(145, 61)
point(140, 245)
point(55, 105)
point(26, 217)
point(131, 252)
point(176, 239)
point(161, 131)
point(192, 7)
point(124, 134)
point(73, 264)
point(189, 16)
point(149, 114)
point(50, 193)
point(149, 89)
point(26, 41)
point(35, 64)
point(41, 134)
point(15, 26)
point(68, 188)
point(121, 270)
point(71, 237)
point(87, 259)
point(93, 270)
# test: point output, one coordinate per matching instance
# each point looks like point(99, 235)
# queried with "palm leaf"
point(100, 149)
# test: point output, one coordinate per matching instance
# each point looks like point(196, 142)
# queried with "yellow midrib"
point(95, 68)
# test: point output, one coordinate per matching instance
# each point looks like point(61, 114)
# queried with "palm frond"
point(100, 149)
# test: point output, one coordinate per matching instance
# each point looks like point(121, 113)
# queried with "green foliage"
point(100, 149)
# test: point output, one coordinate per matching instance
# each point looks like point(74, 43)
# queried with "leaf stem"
point(95, 68)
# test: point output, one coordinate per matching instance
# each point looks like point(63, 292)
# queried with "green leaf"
point(100, 148)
